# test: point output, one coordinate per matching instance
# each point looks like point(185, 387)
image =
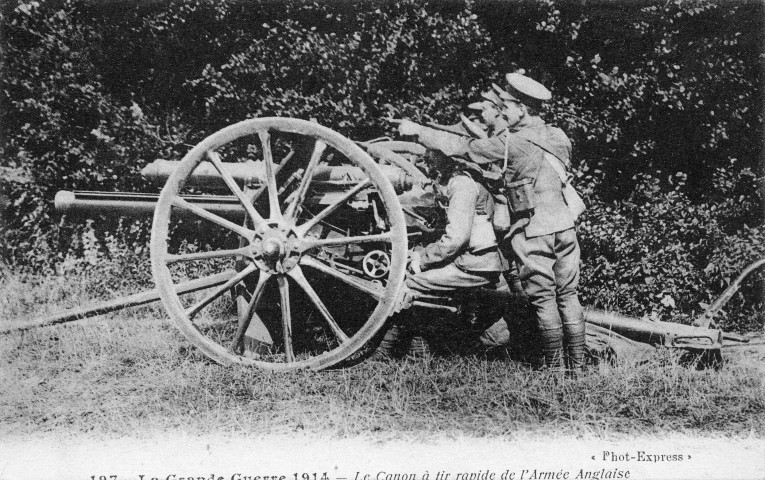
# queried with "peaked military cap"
point(492, 96)
point(502, 93)
point(480, 105)
point(527, 86)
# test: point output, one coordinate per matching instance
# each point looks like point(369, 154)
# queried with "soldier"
point(467, 255)
point(542, 236)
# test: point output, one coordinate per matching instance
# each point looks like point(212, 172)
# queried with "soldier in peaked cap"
point(502, 93)
point(546, 248)
point(542, 239)
point(527, 87)
point(465, 126)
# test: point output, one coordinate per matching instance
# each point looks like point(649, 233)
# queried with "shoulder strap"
point(537, 139)
point(558, 165)
point(507, 152)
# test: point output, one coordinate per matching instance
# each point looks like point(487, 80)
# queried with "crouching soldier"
point(466, 256)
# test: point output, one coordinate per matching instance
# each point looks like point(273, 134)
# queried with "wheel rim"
point(279, 247)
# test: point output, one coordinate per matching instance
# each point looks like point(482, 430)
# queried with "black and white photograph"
point(382, 240)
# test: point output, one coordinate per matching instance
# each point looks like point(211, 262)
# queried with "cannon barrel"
point(326, 179)
point(245, 173)
point(253, 173)
point(133, 204)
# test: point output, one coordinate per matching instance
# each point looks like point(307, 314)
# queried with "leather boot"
point(390, 345)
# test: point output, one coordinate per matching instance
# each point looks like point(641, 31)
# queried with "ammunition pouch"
point(501, 219)
point(520, 195)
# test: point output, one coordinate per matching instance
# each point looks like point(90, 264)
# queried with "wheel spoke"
point(247, 204)
point(297, 200)
point(284, 291)
point(324, 268)
point(303, 229)
point(244, 232)
point(309, 243)
point(251, 306)
point(196, 308)
point(257, 193)
point(297, 274)
point(187, 257)
point(273, 190)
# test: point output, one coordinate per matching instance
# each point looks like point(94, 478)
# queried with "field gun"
point(244, 174)
point(310, 232)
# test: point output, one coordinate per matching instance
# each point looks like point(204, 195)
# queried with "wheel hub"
point(274, 249)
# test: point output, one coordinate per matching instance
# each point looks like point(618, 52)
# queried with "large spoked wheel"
point(314, 202)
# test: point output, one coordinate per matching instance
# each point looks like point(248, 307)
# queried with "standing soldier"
point(542, 236)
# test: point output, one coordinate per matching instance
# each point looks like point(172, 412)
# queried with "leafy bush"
point(400, 60)
point(658, 254)
point(115, 261)
point(667, 141)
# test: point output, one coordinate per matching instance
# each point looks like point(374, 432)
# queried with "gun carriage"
point(309, 232)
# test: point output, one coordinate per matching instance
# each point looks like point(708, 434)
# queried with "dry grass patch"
point(132, 374)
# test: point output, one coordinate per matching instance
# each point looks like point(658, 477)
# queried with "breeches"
point(548, 267)
point(449, 278)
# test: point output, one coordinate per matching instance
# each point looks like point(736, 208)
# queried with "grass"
point(132, 374)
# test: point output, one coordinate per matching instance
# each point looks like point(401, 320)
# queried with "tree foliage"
point(661, 99)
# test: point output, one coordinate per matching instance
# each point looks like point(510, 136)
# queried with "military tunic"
point(542, 241)
point(467, 255)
